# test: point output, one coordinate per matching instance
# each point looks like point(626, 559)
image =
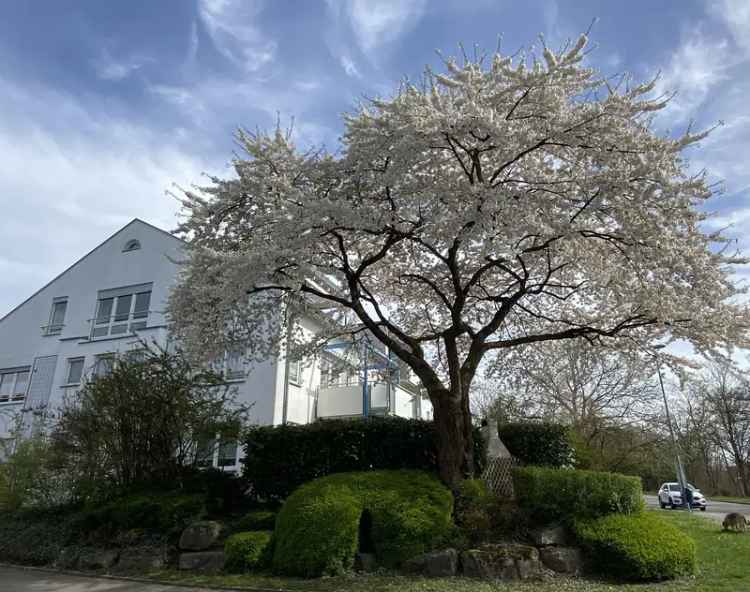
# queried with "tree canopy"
point(511, 200)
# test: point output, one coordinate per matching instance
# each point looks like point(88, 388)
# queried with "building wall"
point(274, 398)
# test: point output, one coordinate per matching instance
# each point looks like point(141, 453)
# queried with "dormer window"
point(132, 245)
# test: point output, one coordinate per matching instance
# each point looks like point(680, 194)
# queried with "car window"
point(674, 487)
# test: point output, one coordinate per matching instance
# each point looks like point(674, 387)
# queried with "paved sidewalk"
point(32, 580)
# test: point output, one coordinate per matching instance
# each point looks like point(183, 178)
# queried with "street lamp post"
point(678, 461)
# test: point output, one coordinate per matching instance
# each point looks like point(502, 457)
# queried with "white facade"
point(116, 296)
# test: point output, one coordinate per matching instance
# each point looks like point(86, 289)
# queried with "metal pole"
point(365, 369)
point(680, 470)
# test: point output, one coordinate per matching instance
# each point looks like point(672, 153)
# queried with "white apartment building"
point(115, 297)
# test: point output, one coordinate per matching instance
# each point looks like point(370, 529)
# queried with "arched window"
point(132, 245)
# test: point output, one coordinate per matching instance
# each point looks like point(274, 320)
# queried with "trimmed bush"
point(323, 523)
point(539, 444)
point(280, 459)
point(559, 494)
point(640, 547)
point(256, 520)
point(245, 551)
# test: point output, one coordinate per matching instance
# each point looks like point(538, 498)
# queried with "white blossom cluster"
point(504, 202)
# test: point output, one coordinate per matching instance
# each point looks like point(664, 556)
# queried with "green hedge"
point(402, 513)
point(255, 520)
point(245, 551)
point(639, 547)
point(280, 459)
point(560, 494)
point(162, 512)
point(539, 444)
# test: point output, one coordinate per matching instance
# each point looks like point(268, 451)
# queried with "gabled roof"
point(86, 256)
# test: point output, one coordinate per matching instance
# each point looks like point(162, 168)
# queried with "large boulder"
point(567, 560)
point(504, 561)
point(436, 564)
point(200, 535)
point(202, 561)
point(549, 535)
point(141, 559)
point(98, 558)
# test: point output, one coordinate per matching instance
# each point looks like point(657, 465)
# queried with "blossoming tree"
point(510, 201)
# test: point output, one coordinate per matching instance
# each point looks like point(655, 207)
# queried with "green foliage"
point(245, 551)
point(33, 538)
point(560, 494)
point(539, 444)
point(280, 459)
point(32, 474)
point(638, 547)
point(481, 516)
point(130, 427)
point(322, 524)
point(256, 520)
point(159, 512)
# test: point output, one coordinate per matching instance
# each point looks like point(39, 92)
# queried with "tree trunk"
point(455, 441)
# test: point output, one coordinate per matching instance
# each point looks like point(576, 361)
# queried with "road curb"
point(135, 579)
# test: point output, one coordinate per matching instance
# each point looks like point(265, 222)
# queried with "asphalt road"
point(32, 580)
point(714, 510)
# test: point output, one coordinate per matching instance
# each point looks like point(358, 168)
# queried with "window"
point(295, 372)
point(235, 365)
point(13, 385)
point(103, 365)
point(227, 453)
point(216, 451)
point(75, 370)
point(56, 316)
point(132, 245)
point(204, 451)
point(121, 311)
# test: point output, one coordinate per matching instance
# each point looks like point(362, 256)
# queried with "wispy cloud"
point(71, 178)
point(232, 25)
point(736, 16)
point(371, 26)
point(379, 22)
point(696, 67)
point(349, 67)
point(109, 68)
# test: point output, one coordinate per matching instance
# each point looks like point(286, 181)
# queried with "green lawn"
point(729, 498)
point(724, 564)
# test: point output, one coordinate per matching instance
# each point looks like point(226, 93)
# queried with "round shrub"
point(560, 494)
point(256, 520)
point(638, 547)
point(322, 524)
point(245, 551)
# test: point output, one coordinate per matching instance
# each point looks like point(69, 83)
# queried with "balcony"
point(348, 400)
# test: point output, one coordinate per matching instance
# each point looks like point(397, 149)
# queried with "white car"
point(670, 495)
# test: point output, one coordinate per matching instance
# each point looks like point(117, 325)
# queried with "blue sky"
point(105, 105)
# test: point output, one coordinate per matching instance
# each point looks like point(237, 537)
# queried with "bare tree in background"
point(582, 384)
point(720, 399)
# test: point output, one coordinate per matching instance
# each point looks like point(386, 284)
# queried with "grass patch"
point(723, 566)
point(729, 498)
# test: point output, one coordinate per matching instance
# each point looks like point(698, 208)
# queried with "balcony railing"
point(118, 324)
point(56, 329)
point(347, 400)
